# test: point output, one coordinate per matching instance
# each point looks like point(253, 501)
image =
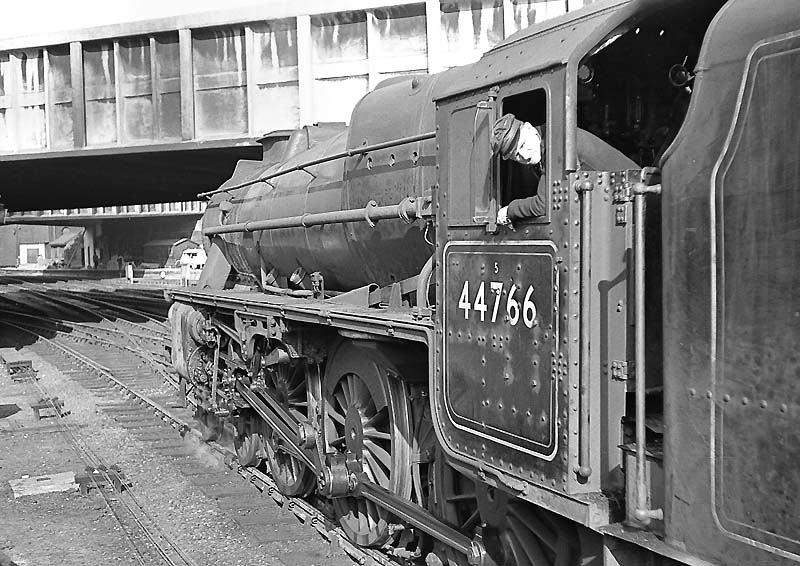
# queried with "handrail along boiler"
point(612, 381)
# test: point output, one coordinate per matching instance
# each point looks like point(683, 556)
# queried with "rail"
point(341, 155)
point(303, 510)
point(169, 552)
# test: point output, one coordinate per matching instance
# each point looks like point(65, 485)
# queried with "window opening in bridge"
point(469, 28)
point(168, 87)
point(529, 12)
point(59, 97)
point(22, 100)
point(101, 98)
point(136, 90)
point(5, 102)
point(277, 95)
point(339, 58)
point(398, 42)
point(30, 114)
point(220, 82)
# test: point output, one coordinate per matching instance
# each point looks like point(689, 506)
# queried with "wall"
point(11, 237)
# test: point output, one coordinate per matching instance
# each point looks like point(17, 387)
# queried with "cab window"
point(518, 141)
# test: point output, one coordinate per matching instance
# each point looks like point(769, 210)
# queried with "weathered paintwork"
point(349, 255)
point(732, 392)
point(500, 326)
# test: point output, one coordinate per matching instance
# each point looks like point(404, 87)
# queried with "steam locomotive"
point(612, 381)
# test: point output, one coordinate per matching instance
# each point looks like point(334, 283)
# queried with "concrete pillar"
point(99, 244)
point(305, 72)
point(187, 83)
point(434, 30)
point(88, 246)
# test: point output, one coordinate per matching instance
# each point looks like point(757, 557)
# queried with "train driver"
point(518, 141)
point(521, 142)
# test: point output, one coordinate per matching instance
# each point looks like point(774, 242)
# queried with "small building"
point(167, 251)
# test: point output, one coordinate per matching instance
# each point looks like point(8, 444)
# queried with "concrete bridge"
point(160, 110)
point(97, 125)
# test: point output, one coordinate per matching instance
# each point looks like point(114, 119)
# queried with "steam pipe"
point(422, 284)
point(347, 153)
point(409, 209)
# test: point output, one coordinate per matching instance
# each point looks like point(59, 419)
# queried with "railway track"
point(117, 359)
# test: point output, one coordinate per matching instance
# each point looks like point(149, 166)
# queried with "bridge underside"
point(119, 175)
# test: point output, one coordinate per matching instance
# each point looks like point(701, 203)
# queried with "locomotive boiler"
point(610, 379)
point(351, 255)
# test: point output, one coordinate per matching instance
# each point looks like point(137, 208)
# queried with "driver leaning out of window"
point(515, 140)
point(519, 141)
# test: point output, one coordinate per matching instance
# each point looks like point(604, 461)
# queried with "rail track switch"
point(102, 477)
point(50, 405)
point(20, 370)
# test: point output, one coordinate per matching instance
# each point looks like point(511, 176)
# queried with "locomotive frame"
point(516, 418)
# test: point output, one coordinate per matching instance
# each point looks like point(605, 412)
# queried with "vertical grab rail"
point(642, 514)
point(584, 469)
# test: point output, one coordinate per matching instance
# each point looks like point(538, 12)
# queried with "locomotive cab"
point(539, 321)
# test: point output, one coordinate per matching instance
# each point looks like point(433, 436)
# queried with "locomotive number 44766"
point(514, 308)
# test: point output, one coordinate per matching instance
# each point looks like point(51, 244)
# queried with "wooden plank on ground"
point(62, 481)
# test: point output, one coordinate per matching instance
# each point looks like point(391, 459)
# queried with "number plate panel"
point(500, 342)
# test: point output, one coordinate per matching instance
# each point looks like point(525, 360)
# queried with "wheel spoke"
point(375, 470)
point(363, 521)
point(300, 387)
point(341, 399)
point(351, 391)
point(373, 513)
point(529, 544)
point(471, 522)
point(526, 516)
point(376, 418)
point(461, 497)
point(377, 434)
point(520, 557)
point(380, 453)
point(336, 416)
point(368, 469)
point(372, 409)
point(363, 396)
